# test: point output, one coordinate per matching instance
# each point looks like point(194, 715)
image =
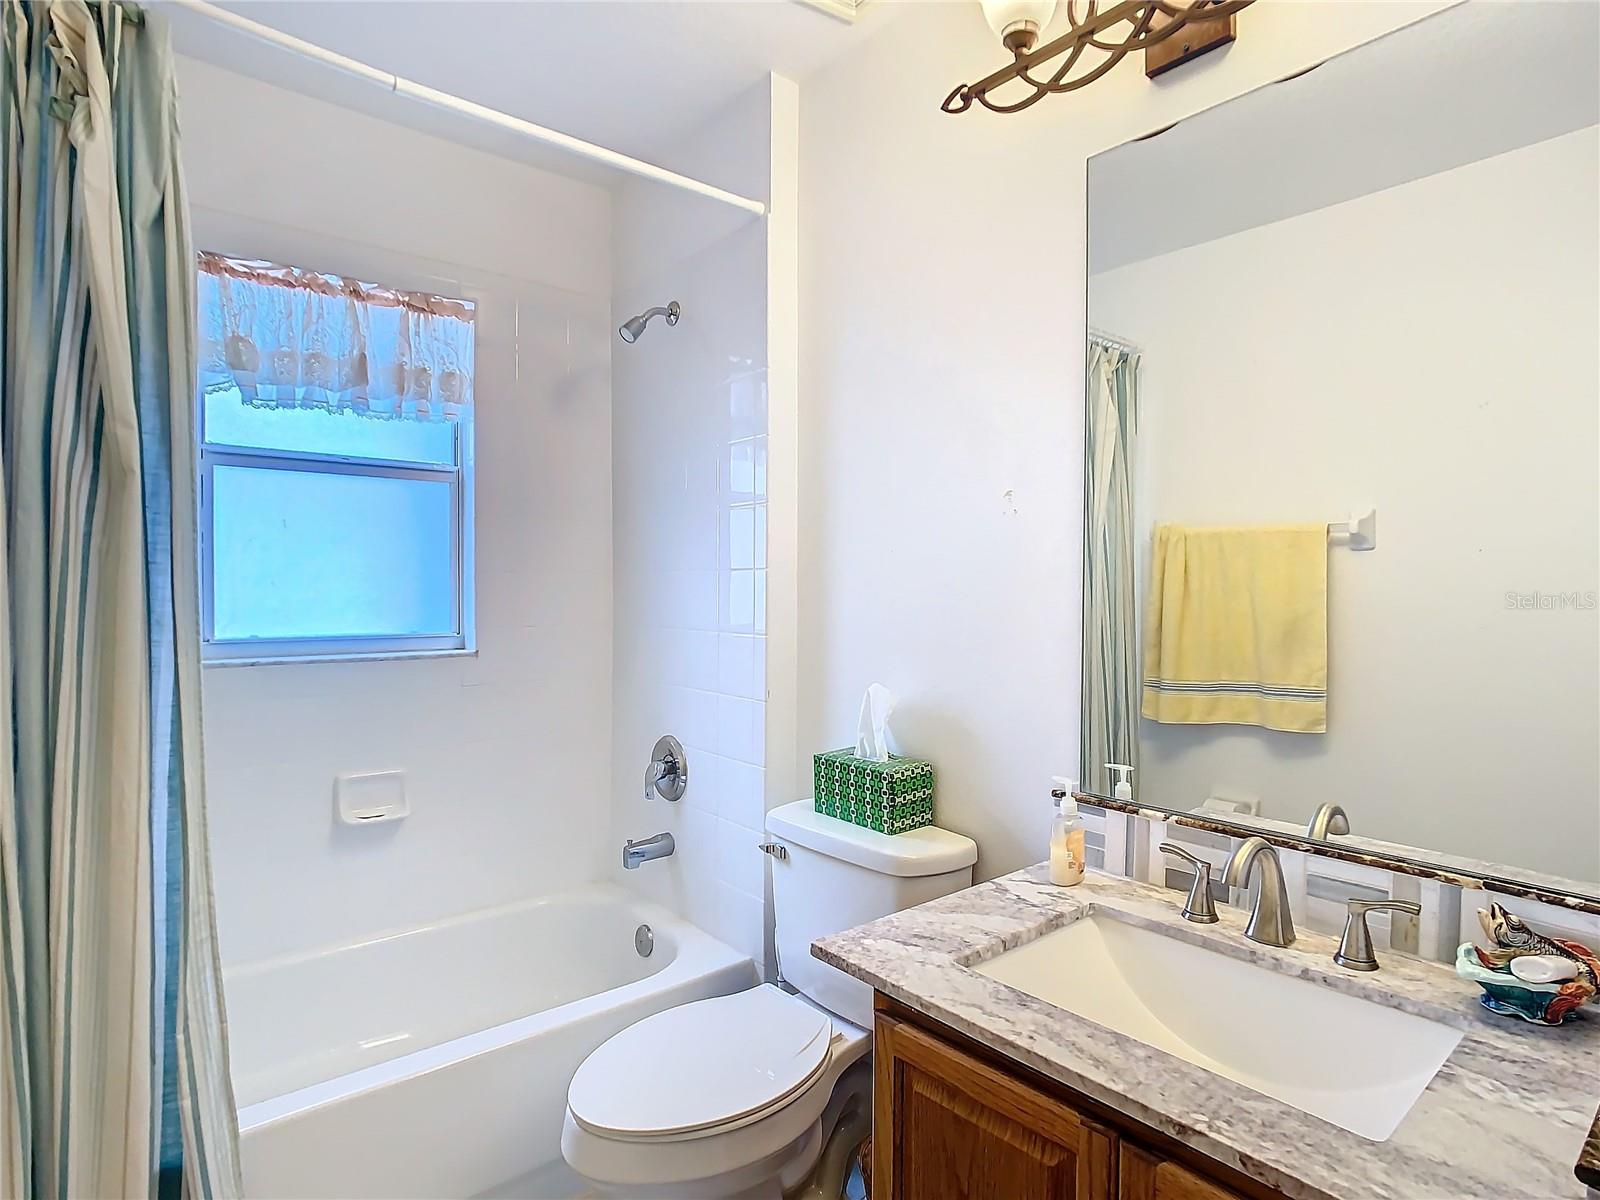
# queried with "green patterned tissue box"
point(890, 797)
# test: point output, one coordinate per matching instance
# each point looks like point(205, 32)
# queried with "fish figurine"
point(1508, 995)
point(1511, 938)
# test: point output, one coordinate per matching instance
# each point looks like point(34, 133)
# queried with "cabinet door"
point(948, 1126)
point(1147, 1177)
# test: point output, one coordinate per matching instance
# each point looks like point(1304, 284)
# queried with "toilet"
point(764, 1093)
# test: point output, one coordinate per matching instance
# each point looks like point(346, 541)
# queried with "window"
point(335, 466)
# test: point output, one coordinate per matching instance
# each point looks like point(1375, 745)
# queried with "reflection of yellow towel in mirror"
point(1237, 627)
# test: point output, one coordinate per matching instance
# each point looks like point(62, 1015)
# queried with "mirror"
point(1342, 479)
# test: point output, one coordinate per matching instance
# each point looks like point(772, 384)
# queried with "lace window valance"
point(289, 338)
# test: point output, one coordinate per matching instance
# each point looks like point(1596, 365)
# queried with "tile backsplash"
point(1319, 886)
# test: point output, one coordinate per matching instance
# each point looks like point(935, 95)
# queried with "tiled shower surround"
point(689, 508)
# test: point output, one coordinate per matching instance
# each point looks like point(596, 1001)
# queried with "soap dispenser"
point(1124, 788)
point(1066, 838)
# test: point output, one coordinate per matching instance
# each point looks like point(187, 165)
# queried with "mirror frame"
point(1460, 870)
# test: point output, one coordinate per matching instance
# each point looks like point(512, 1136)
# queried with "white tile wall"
point(741, 665)
point(693, 665)
point(506, 754)
point(689, 440)
point(598, 630)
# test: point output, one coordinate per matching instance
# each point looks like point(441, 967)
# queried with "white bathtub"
point(434, 1062)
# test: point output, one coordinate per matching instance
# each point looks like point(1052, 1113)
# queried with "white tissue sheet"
point(872, 726)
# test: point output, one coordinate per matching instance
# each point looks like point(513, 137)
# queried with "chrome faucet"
point(1329, 818)
point(1270, 923)
point(647, 850)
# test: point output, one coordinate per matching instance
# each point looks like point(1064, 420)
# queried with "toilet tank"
point(836, 875)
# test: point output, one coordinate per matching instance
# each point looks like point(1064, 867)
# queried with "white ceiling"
point(631, 76)
point(1470, 82)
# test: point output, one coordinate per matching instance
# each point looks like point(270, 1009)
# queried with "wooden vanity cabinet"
point(962, 1128)
point(1144, 1176)
point(953, 1121)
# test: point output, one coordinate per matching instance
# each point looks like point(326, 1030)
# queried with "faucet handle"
point(1362, 907)
point(667, 773)
point(1199, 907)
point(1355, 947)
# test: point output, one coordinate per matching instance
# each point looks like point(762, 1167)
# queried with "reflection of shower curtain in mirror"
point(1110, 694)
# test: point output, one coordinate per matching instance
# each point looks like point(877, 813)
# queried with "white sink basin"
point(1354, 1062)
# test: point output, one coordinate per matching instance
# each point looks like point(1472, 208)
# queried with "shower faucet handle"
point(667, 774)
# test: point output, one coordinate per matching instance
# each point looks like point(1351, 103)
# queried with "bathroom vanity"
point(1088, 1042)
point(1286, 343)
point(1294, 351)
point(964, 1121)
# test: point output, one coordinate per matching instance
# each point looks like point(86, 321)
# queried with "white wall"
point(508, 752)
point(692, 497)
point(1429, 350)
point(942, 319)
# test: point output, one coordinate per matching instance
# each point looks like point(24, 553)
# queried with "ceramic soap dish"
point(1542, 980)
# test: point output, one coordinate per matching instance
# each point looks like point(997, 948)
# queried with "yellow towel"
point(1237, 627)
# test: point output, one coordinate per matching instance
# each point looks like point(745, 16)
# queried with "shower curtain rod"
point(1112, 340)
point(401, 86)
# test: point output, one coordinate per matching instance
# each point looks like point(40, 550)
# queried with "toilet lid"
point(701, 1065)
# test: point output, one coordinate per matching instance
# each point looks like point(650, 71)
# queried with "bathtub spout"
point(634, 853)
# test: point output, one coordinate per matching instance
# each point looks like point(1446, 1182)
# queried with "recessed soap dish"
point(371, 798)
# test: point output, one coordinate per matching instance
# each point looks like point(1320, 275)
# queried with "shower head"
point(634, 326)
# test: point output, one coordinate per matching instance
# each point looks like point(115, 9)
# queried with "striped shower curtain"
point(1110, 689)
point(113, 1059)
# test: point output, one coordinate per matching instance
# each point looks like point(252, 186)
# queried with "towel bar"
point(1360, 532)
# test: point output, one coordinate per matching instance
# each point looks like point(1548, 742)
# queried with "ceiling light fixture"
point(1101, 35)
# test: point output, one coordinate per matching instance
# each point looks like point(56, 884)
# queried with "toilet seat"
point(748, 1153)
point(703, 1068)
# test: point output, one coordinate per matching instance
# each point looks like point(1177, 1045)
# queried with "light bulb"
point(1018, 22)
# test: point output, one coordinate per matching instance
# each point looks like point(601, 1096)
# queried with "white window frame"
point(246, 651)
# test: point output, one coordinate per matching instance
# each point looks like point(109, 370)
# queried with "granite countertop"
point(1507, 1115)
